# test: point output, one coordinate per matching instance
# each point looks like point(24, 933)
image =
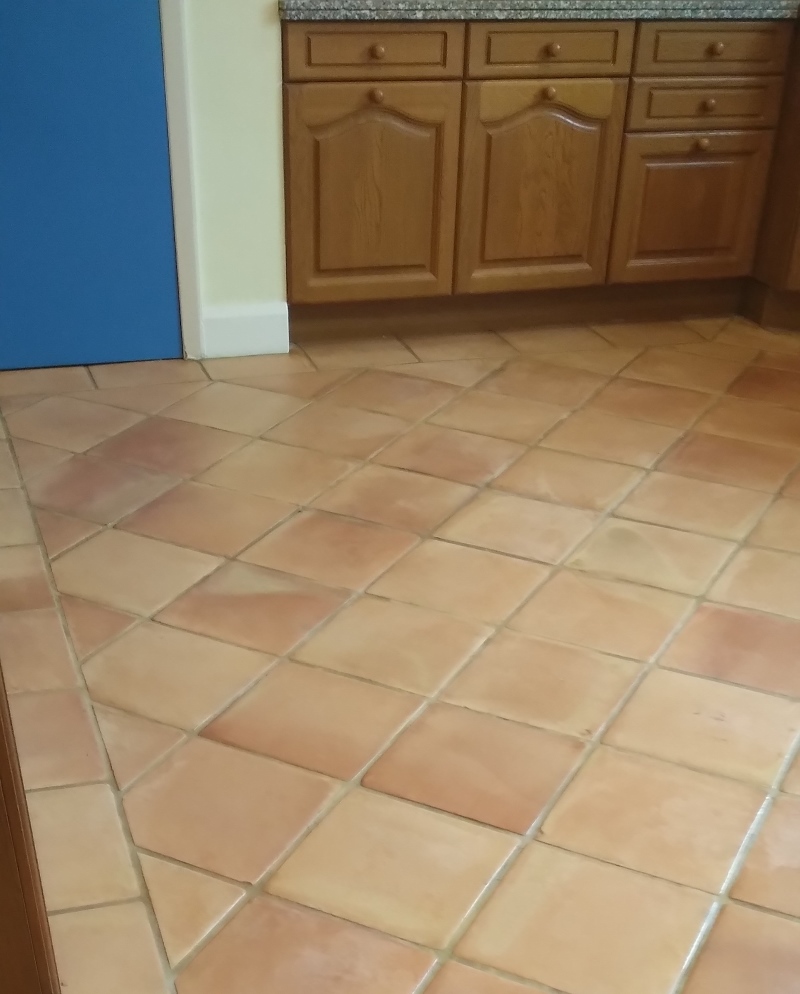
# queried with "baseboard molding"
point(244, 329)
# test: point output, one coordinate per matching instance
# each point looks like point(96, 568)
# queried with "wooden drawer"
point(676, 103)
point(550, 48)
point(680, 49)
point(373, 51)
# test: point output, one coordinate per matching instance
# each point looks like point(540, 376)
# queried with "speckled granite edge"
point(540, 10)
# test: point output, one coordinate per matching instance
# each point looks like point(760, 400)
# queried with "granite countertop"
point(540, 10)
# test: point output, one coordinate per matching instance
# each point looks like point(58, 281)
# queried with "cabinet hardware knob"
point(709, 105)
point(553, 49)
point(377, 51)
point(376, 96)
point(549, 93)
point(703, 144)
point(717, 48)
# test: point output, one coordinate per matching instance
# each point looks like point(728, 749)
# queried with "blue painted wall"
point(87, 252)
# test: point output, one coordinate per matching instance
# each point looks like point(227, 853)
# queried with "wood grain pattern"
point(689, 205)
point(679, 103)
point(372, 174)
point(539, 170)
point(682, 48)
point(550, 48)
point(354, 51)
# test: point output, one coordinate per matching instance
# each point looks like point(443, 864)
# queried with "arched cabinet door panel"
point(372, 173)
point(539, 175)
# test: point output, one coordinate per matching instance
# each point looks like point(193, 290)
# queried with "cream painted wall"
point(223, 71)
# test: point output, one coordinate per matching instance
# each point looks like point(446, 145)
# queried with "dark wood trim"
point(772, 308)
point(27, 964)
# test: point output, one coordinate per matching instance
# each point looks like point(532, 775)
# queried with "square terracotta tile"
point(711, 726)
point(457, 372)
point(17, 402)
point(303, 385)
point(342, 354)
point(171, 676)
point(621, 618)
point(254, 607)
point(396, 644)
point(513, 418)
point(752, 422)
point(753, 650)
point(708, 327)
point(780, 526)
point(607, 361)
point(719, 350)
point(92, 625)
point(393, 866)
point(568, 479)
point(564, 339)
point(67, 423)
point(107, 949)
point(282, 472)
point(748, 951)
point(16, 520)
point(23, 580)
point(126, 374)
point(8, 471)
point(682, 369)
point(209, 519)
point(458, 978)
point(603, 436)
point(772, 386)
point(311, 718)
point(770, 876)
point(33, 458)
point(661, 557)
point(34, 652)
point(96, 489)
point(187, 904)
point(695, 505)
point(792, 488)
point(128, 572)
point(475, 765)
point(223, 810)
point(531, 379)
point(229, 407)
point(82, 853)
point(395, 497)
point(472, 583)
point(164, 445)
point(55, 739)
point(559, 687)
point(778, 360)
point(730, 460)
point(586, 927)
point(133, 744)
point(763, 580)
point(673, 407)
point(331, 549)
point(453, 455)
point(390, 393)
point(60, 532)
point(339, 431)
point(238, 367)
point(648, 334)
point(532, 529)
point(62, 379)
point(792, 782)
point(275, 946)
point(147, 398)
point(661, 819)
point(458, 345)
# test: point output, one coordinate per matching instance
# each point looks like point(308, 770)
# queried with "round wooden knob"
point(376, 96)
point(377, 51)
point(717, 48)
point(549, 93)
point(553, 49)
point(709, 105)
point(703, 144)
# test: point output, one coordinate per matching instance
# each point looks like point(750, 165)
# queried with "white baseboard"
point(244, 329)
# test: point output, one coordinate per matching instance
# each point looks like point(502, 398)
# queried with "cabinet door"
point(539, 173)
point(371, 176)
point(689, 205)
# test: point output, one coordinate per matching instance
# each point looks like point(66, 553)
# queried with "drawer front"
point(714, 47)
point(705, 102)
point(370, 51)
point(550, 48)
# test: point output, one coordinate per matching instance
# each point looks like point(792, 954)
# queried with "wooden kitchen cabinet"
point(689, 205)
point(539, 173)
point(371, 189)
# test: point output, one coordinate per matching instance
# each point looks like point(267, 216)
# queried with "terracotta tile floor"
point(464, 664)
